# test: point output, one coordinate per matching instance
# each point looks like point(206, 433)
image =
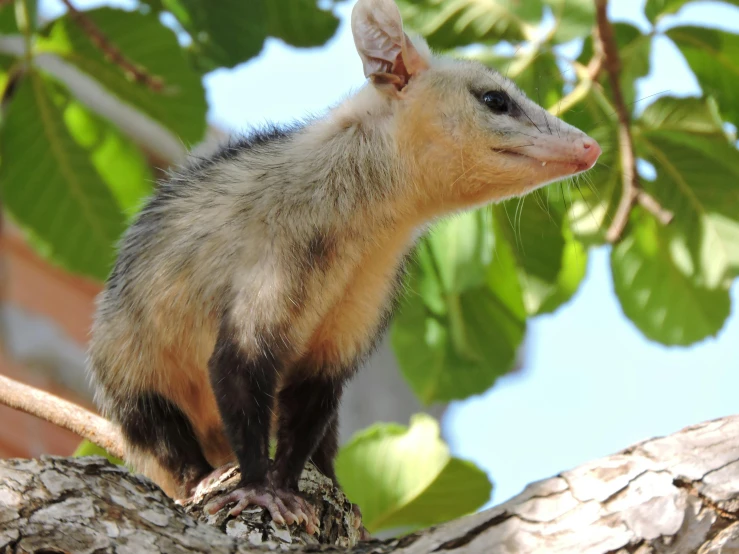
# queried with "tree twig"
point(631, 192)
point(99, 39)
point(649, 203)
point(587, 76)
point(61, 412)
point(606, 43)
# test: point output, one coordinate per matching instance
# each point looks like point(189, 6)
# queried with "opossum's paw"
point(285, 507)
point(296, 504)
point(363, 533)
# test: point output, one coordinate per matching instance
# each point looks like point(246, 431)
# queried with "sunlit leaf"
point(550, 262)
point(592, 204)
point(405, 478)
point(460, 326)
point(573, 18)
point(656, 291)
point(714, 58)
point(300, 22)
point(119, 162)
point(452, 23)
point(571, 275)
point(87, 448)
point(8, 24)
point(51, 186)
point(180, 105)
point(697, 175)
point(656, 9)
point(461, 248)
point(226, 32)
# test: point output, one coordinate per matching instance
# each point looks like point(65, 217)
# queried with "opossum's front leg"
point(244, 386)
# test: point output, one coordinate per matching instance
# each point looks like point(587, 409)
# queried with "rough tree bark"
point(677, 494)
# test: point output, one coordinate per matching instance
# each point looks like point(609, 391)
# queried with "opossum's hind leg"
point(155, 428)
point(244, 384)
point(323, 457)
point(325, 453)
point(308, 409)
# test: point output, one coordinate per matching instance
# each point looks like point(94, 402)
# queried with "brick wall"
point(64, 304)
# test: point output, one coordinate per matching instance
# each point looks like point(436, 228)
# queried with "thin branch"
point(60, 412)
point(587, 76)
point(99, 39)
point(606, 43)
point(649, 203)
point(631, 192)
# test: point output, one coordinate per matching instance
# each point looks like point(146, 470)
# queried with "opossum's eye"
point(497, 100)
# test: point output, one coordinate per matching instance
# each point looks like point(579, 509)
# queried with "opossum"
point(254, 282)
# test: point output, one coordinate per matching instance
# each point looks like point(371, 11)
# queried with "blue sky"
point(592, 384)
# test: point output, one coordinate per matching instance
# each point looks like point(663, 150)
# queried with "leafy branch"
point(631, 191)
point(113, 54)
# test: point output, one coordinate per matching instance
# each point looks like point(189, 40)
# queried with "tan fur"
point(346, 328)
point(296, 241)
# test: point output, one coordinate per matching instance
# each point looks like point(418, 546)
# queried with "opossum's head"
point(470, 134)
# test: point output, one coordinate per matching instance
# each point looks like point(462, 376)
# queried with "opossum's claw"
point(363, 533)
point(285, 507)
point(302, 508)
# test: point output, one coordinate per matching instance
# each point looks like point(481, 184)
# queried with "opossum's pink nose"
point(588, 152)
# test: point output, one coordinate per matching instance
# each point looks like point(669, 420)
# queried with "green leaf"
point(8, 24)
point(51, 186)
point(300, 22)
point(87, 448)
point(550, 261)
point(459, 328)
point(535, 236)
point(228, 32)
point(461, 247)
point(406, 478)
point(714, 58)
point(655, 292)
point(540, 78)
point(573, 18)
point(592, 199)
point(180, 105)
point(656, 9)
point(451, 23)
point(697, 174)
point(119, 162)
point(9, 16)
point(574, 267)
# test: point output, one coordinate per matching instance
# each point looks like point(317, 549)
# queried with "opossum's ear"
point(389, 57)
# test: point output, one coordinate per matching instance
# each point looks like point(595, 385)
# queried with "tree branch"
point(587, 75)
point(649, 203)
point(630, 189)
point(675, 494)
point(62, 413)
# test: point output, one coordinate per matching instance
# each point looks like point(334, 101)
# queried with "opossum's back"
point(157, 317)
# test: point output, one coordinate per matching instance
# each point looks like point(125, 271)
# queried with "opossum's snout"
point(564, 154)
point(589, 152)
